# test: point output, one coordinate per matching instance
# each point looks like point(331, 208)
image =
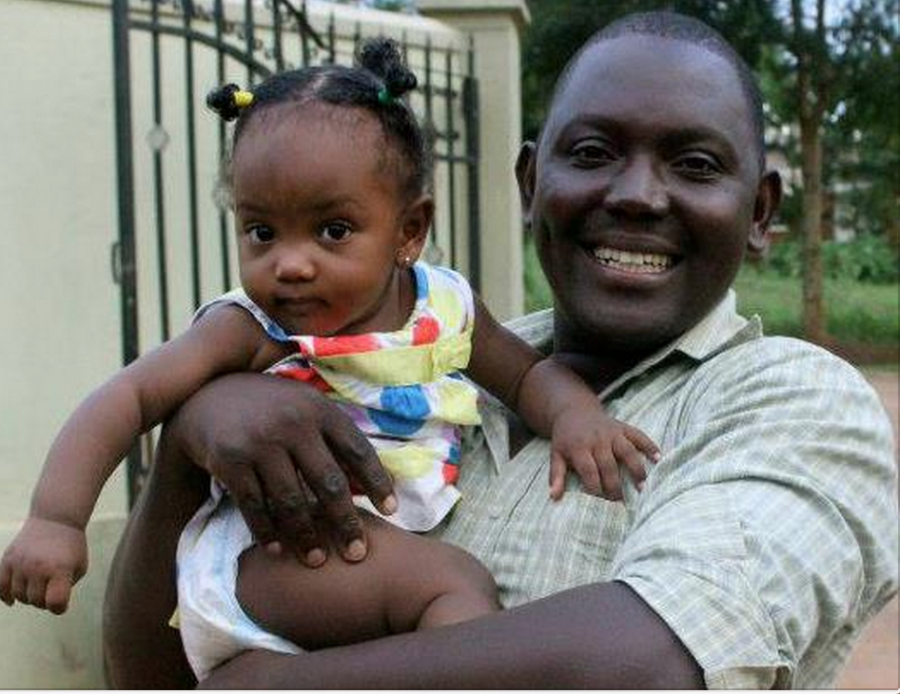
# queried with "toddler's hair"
point(377, 83)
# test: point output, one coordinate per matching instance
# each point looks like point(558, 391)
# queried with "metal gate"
point(175, 232)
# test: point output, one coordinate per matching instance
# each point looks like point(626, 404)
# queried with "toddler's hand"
point(42, 564)
point(593, 444)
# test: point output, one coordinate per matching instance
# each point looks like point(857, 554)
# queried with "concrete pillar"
point(496, 27)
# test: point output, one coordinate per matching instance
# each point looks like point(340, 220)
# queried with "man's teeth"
point(632, 262)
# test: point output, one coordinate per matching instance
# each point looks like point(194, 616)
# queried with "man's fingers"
point(642, 442)
point(557, 476)
point(631, 458)
point(288, 506)
point(59, 588)
point(247, 494)
point(354, 452)
point(328, 482)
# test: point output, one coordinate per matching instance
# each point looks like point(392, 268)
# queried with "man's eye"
point(335, 232)
point(260, 233)
point(591, 153)
point(698, 167)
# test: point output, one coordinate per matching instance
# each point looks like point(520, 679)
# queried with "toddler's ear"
point(416, 223)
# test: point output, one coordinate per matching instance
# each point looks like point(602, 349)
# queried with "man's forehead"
point(650, 73)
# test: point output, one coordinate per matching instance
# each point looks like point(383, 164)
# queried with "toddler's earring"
point(405, 261)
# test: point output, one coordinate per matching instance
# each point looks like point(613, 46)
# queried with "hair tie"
point(243, 99)
point(385, 97)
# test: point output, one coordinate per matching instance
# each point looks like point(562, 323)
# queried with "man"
point(763, 540)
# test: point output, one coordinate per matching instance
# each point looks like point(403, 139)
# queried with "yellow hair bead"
point(243, 99)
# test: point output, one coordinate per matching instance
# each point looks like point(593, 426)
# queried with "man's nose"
point(638, 188)
point(296, 262)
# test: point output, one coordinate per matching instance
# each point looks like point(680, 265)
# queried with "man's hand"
point(285, 453)
point(42, 564)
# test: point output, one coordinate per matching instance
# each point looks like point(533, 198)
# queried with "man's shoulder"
point(787, 379)
point(787, 359)
point(535, 328)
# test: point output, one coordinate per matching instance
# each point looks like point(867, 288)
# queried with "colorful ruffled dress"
point(403, 390)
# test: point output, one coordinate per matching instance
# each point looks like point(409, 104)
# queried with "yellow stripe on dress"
point(408, 462)
point(401, 366)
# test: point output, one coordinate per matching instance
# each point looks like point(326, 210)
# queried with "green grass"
point(854, 311)
point(867, 313)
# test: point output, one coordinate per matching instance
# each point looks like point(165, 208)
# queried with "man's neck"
point(597, 370)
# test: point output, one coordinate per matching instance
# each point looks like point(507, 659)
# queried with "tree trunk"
point(892, 223)
point(813, 303)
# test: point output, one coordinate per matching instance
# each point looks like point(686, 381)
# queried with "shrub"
point(865, 259)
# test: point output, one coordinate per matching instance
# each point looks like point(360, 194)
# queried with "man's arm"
point(599, 636)
point(241, 428)
point(765, 538)
point(768, 535)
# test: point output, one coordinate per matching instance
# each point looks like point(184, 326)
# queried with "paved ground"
point(873, 664)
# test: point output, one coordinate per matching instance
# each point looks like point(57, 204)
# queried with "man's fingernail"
point(390, 504)
point(356, 550)
point(315, 557)
point(273, 547)
point(656, 457)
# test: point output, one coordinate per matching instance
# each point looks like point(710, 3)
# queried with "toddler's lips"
point(298, 306)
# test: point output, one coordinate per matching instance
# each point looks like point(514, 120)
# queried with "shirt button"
point(495, 512)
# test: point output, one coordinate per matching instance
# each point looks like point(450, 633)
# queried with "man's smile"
point(632, 261)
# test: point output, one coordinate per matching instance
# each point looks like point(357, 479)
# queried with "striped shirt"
point(767, 535)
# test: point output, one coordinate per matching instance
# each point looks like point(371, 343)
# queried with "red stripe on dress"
point(304, 374)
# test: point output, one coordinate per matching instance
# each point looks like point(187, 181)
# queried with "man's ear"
point(768, 198)
point(414, 229)
point(525, 175)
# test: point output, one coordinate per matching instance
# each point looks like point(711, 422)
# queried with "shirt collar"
point(722, 327)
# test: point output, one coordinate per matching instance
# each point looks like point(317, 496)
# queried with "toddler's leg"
point(406, 582)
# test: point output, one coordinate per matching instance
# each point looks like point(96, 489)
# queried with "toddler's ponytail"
point(382, 58)
point(229, 101)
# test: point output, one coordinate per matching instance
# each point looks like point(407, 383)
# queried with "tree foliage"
point(559, 27)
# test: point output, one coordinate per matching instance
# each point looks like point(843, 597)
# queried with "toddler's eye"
point(260, 233)
point(336, 231)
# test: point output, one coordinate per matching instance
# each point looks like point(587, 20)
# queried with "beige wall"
point(60, 307)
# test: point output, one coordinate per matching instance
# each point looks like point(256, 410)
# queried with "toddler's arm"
point(49, 554)
point(557, 404)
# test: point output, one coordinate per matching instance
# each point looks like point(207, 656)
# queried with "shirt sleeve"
point(767, 535)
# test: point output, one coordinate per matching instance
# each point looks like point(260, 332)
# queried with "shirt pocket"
point(574, 541)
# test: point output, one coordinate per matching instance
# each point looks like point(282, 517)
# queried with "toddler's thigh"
point(341, 602)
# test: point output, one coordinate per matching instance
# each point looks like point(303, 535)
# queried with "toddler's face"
point(319, 220)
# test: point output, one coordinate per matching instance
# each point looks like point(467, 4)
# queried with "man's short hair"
point(679, 27)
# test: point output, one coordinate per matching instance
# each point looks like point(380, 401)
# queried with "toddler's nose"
point(295, 265)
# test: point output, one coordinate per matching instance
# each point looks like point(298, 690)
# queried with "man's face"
point(643, 193)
